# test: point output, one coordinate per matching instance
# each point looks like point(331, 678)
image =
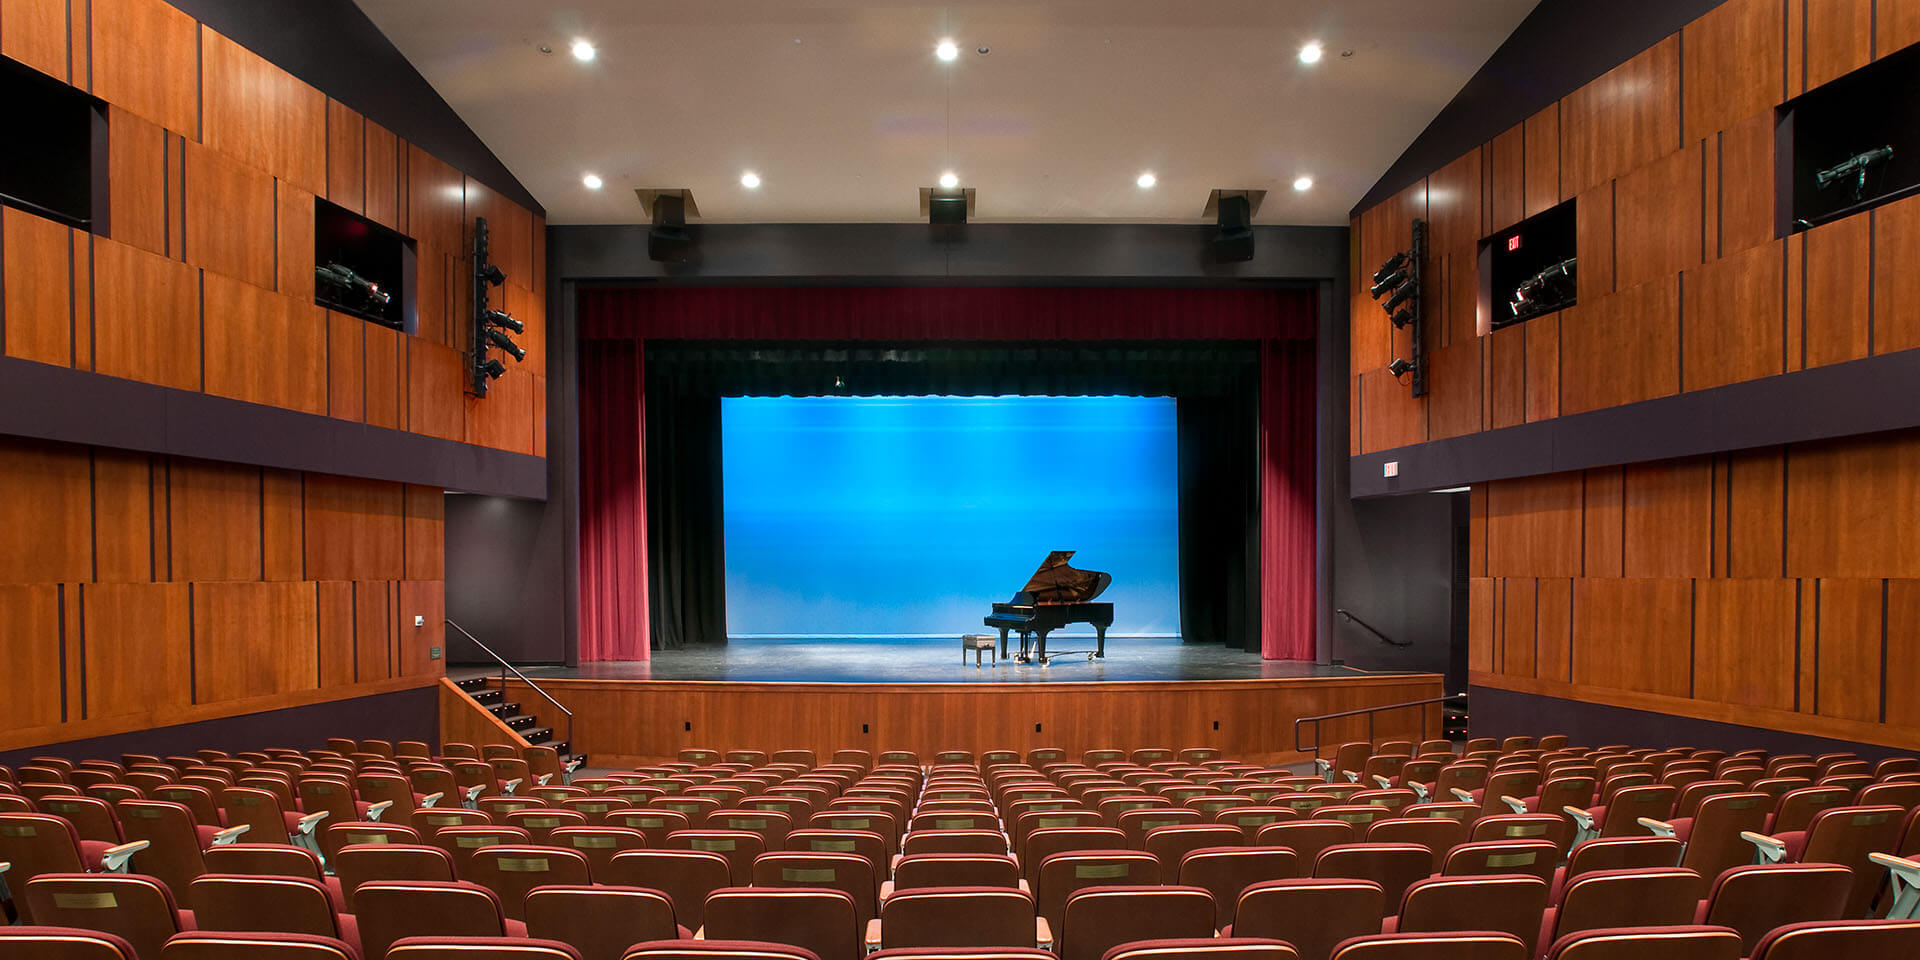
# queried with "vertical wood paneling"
point(293, 256)
point(426, 533)
point(1896, 289)
point(1477, 530)
point(46, 528)
point(436, 403)
point(1735, 318)
point(214, 513)
point(1746, 197)
point(413, 645)
point(1453, 390)
point(1394, 417)
point(373, 623)
point(1743, 641)
point(1626, 349)
point(1756, 524)
point(30, 639)
point(34, 32)
point(383, 180)
point(146, 316)
point(385, 376)
point(1369, 327)
point(1509, 371)
point(265, 348)
point(1851, 507)
point(39, 314)
point(346, 366)
point(1624, 119)
point(1543, 363)
point(283, 524)
point(254, 640)
point(1604, 532)
point(355, 529)
point(346, 157)
point(1668, 523)
point(1543, 160)
point(123, 516)
point(1657, 216)
point(1453, 206)
point(136, 181)
point(1633, 634)
point(146, 60)
point(1480, 624)
point(1593, 238)
point(1507, 178)
point(1517, 625)
point(336, 628)
point(1554, 636)
point(436, 202)
point(1735, 64)
point(1849, 649)
point(229, 217)
point(1903, 652)
point(1837, 298)
point(1533, 526)
point(137, 649)
point(1839, 37)
point(261, 115)
point(503, 419)
point(1896, 26)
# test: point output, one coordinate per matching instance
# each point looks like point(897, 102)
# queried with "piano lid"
point(1058, 582)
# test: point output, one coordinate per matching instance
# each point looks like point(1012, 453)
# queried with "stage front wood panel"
point(618, 721)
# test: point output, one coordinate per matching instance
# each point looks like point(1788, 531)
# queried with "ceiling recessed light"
point(582, 50)
point(1146, 180)
point(1311, 53)
point(1303, 183)
point(592, 181)
point(947, 50)
point(750, 180)
point(949, 180)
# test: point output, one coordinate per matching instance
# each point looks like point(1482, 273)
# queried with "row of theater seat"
point(1056, 844)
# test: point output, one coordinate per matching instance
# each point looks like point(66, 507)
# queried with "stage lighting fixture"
point(1402, 318)
point(949, 180)
point(492, 275)
point(1401, 295)
point(1233, 240)
point(489, 325)
point(504, 342)
point(1399, 367)
point(1393, 264)
point(1392, 281)
point(498, 319)
point(668, 240)
point(493, 369)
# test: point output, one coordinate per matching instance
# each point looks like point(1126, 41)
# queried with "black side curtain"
point(1220, 519)
point(686, 542)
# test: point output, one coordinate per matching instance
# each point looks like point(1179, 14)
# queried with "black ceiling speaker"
point(1233, 242)
point(668, 240)
point(947, 208)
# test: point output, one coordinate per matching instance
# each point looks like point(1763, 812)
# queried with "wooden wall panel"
point(1460, 319)
point(137, 652)
point(263, 347)
point(1370, 328)
point(230, 217)
point(1735, 62)
point(1627, 117)
point(435, 391)
point(34, 32)
point(137, 181)
point(426, 533)
point(1736, 318)
point(123, 516)
point(530, 309)
point(1756, 521)
point(503, 419)
point(46, 530)
point(1603, 535)
point(1507, 349)
point(1543, 160)
point(1632, 634)
point(261, 115)
point(1553, 635)
point(1896, 289)
point(146, 59)
point(1507, 178)
point(386, 184)
point(1668, 525)
point(373, 623)
point(436, 202)
point(1903, 653)
point(146, 316)
point(1896, 26)
point(346, 366)
point(1851, 507)
point(38, 314)
point(346, 157)
point(1453, 207)
point(1518, 625)
point(31, 645)
point(293, 252)
point(1745, 200)
point(385, 377)
point(214, 514)
point(1848, 648)
point(1657, 210)
point(254, 640)
point(1543, 363)
point(1480, 593)
point(283, 524)
point(414, 646)
point(1742, 630)
point(1533, 526)
point(1393, 417)
point(1837, 298)
point(1626, 349)
point(335, 627)
point(1453, 390)
point(355, 529)
point(1839, 37)
point(1593, 237)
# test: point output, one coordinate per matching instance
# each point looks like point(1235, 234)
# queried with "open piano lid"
point(1058, 582)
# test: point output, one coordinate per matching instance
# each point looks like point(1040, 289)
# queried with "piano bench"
point(977, 642)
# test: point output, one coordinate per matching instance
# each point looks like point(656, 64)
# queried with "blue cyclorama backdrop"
point(911, 516)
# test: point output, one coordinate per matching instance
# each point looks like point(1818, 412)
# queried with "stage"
point(824, 694)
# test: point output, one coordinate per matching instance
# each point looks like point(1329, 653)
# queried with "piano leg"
point(1100, 632)
point(1040, 652)
point(1003, 643)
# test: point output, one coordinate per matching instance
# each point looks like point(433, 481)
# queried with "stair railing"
point(1369, 713)
point(506, 668)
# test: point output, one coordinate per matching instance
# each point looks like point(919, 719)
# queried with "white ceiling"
point(843, 110)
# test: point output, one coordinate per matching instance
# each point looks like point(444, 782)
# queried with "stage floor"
point(839, 660)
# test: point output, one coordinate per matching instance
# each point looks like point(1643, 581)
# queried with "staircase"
point(486, 692)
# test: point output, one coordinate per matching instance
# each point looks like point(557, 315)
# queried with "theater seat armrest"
point(1581, 818)
point(1423, 791)
point(542, 781)
point(1353, 776)
point(1023, 886)
point(1771, 849)
point(1462, 795)
point(1384, 783)
point(886, 890)
point(431, 799)
point(306, 824)
point(872, 942)
point(1042, 933)
point(115, 859)
point(700, 934)
point(575, 763)
point(374, 811)
point(1659, 828)
point(509, 786)
point(231, 834)
point(5, 866)
point(473, 794)
point(1903, 884)
point(1323, 767)
point(1518, 805)
point(894, 864)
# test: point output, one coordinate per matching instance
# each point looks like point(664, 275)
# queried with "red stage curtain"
point(1287, 491)
point(613, 503)
point(615, 323)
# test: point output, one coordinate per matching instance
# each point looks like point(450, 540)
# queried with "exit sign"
point(1513, 243)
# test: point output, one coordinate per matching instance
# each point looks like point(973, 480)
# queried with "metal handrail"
point(1370, 628)
point(1369, 712)
point(505, 666)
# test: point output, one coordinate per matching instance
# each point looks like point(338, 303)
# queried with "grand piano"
point(1056, 596)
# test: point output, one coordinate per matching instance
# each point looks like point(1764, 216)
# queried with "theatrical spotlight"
point(504, 342)
point(1399, 367)
point(492, 275)
point(498, 319)
point(1398, 280)
point(1393, 264)
point(490, 326)
point(1389, 282)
